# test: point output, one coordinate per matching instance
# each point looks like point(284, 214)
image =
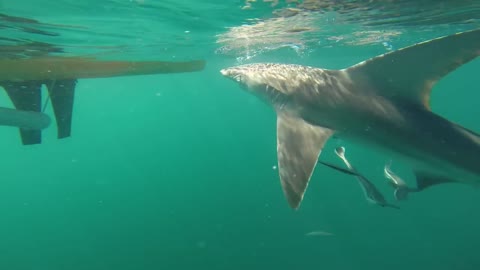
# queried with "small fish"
point(319, 233)
point(372, 194)
point(401, 188)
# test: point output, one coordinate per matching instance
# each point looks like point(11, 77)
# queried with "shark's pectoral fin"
point(425, 180)
point(298, 148)
point(26, 96)
point(409, 74)
point(62, 93)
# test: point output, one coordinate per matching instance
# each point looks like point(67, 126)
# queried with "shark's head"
point(271, 82)
point(252, 77)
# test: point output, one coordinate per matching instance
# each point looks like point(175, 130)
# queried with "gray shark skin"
point(382, 102)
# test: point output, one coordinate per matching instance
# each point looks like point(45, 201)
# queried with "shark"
point(23, 78)
point(382, 103)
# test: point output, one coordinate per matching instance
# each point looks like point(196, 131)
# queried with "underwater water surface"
point(178, 171)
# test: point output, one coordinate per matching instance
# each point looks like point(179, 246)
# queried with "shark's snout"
point(238, 75)
point(258, 78)
point(232, 73)
point(225, 72)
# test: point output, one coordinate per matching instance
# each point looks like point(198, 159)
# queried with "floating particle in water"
point(201, 244)
point(274, 167)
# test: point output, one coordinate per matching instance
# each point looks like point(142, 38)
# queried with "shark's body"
point(382, 102)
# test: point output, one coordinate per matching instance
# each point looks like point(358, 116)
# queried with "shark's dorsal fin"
point(409, 74)
point(425, 180)
point(298, 147)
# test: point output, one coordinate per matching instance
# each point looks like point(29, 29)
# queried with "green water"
point(177, 171)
